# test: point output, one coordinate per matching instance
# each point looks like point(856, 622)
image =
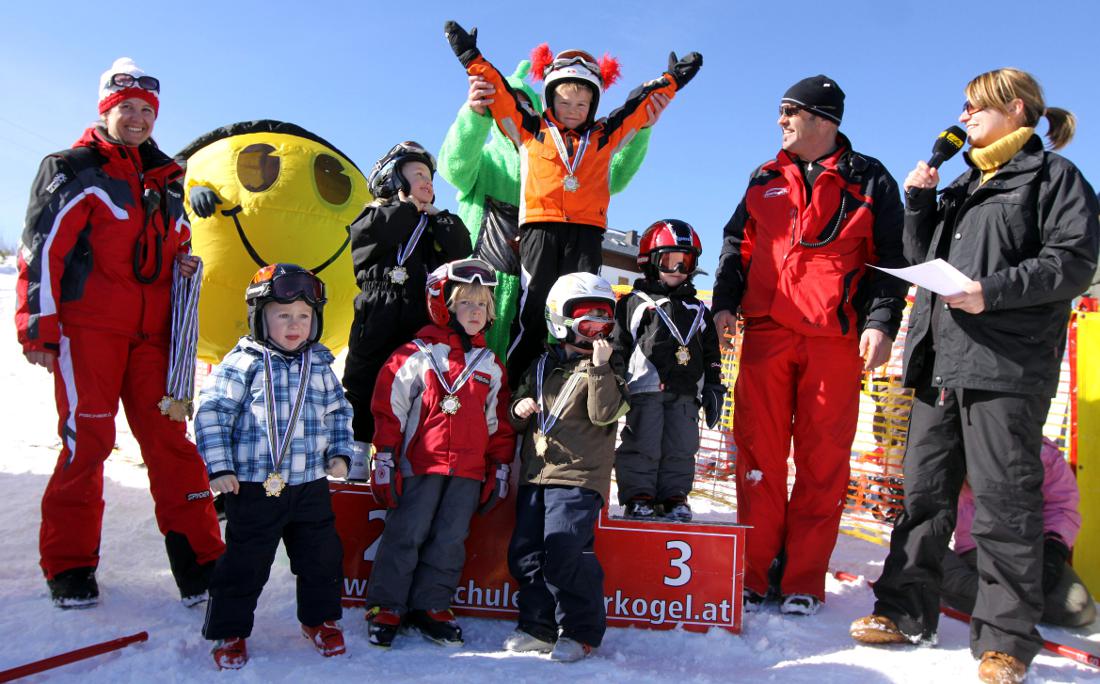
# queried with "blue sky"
point(367, 75)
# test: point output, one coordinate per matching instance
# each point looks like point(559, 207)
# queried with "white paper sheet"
point(936, 275)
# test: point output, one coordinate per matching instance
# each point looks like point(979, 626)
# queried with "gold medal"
point(274, 484)
point(542, 444)
point(399, 275)
point(450, 404)
point(683, 355)
point(571, 184)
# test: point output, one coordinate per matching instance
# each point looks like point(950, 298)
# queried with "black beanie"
point(818, 95)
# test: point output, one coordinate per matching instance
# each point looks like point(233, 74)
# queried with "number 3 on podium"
point(679, 563)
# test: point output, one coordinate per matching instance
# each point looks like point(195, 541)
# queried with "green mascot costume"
point(487, 177)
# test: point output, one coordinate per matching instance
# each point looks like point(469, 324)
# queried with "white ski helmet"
point(567, 316)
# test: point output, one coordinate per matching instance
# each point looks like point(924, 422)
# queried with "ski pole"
point(1074, 654)
point(71, 657)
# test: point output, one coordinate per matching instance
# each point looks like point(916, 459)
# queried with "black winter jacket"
point(1030, 236)
point(382, 230)
point(645, 341)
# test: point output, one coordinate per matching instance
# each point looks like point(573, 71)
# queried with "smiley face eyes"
point(332, 183)
point(257, 167)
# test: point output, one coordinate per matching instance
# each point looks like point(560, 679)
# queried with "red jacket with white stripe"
point(91, 207)
point(410, 424)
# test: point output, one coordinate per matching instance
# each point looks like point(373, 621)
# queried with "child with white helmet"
point(567, 406)
point(443, 444)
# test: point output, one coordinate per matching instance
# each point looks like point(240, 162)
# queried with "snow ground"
point(137, 593)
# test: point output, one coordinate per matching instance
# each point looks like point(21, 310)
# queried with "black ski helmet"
point(284, 283)
point(385, 178)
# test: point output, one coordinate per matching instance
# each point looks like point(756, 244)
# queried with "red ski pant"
point(805, 389)
point(94, 369)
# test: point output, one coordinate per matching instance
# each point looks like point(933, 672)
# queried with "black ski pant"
point(553, 559)
point(385, 319)
point(302, 517)
point(993, 439)
point(423, 547)
point(656, 458)
point(1067, 604)
point(547, 251)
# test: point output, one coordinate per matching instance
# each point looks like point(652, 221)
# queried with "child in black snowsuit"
point(397, 240)
point(671, 346)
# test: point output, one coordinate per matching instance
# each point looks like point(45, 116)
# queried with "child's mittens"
point(684, 68)
point(337, 468)
point(385, 480)
point(713, 398)
point(462, 43)
point(225, 484)
point(495, 488)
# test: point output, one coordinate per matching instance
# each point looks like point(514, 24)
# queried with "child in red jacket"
point(443, 443)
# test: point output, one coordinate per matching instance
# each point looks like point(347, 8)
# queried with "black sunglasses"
point(128, 81)
point(789, 110)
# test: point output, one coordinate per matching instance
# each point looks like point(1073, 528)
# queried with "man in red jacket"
point(104, 228)
point(794, 259)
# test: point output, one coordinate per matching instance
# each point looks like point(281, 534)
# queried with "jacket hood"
point(151, 156)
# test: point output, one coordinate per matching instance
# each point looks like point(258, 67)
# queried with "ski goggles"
point(567, 59)
point(471, 271)
point(594, 320)
point(667, 262)
point(130, 81)
point(284, 286)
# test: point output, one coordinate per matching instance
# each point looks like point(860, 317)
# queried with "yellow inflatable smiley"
point(283, 195)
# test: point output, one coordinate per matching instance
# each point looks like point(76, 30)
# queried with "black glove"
point(462, 43)
point(683, 70)
point(713, 398)
point(1055, 554)
point(204, 201)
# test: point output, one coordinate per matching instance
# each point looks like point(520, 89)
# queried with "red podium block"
point(658, 575)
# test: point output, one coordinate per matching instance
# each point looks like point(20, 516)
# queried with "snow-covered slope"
point(137, 593)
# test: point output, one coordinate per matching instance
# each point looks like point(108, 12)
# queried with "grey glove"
point(204, 201)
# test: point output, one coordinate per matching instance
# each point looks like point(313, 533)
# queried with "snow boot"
point(677, 510)
point(568, 650)
point(640, 508)
point(521, 641)
point(230, 654)
point(192, 578)
point(74, 588)
point(383, 625)
point(877, 630)
point(800, 604)
point(327, 638)
point(752, 602)
point(438, 626)
point(1001, 668)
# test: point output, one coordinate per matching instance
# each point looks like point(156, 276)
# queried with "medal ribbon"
point(466, 372)
point(406, 250)
point(276, 445)
point(546, 421)
point(559, 143)
point(695, 325)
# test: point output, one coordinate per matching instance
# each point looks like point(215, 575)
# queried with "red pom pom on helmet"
point(541, 57)
point(609, 70)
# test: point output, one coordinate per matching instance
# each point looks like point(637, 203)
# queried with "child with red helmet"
point(673, 364)
point(395, 243)
point(272, 423)
point(443, 444)
point(566, 153)
point(568, 405)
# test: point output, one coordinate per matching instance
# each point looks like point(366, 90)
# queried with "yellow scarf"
point(992, 157)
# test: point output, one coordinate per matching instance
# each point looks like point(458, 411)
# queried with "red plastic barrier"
point(71, 657)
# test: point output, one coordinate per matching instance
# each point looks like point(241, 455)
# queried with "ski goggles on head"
point(668, 263)
point(283, 286)
point(471, 271)
point(594, 320)
point(567, 59)
point(129, 81)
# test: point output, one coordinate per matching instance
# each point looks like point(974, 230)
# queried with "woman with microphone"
point(1021, 223)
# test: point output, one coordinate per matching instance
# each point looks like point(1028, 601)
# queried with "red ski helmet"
point(663, 237)
point(438, 287)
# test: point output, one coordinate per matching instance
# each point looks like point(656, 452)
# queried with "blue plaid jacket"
point(231, 420)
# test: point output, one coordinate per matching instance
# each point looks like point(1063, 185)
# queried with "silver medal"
point(399, 275)
point(571, 184)
point(450, 405)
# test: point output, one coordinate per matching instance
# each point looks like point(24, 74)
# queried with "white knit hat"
point(110, 94)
